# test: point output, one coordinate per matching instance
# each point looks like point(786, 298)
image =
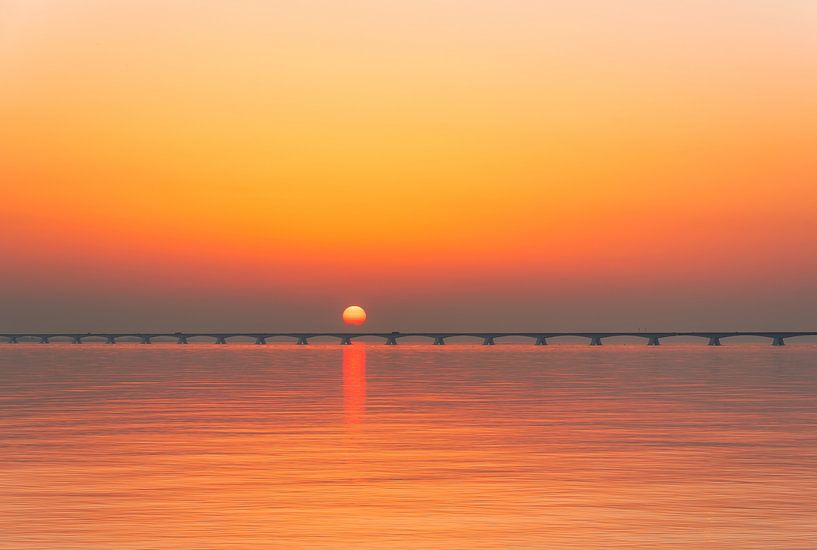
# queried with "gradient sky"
point(447, 164)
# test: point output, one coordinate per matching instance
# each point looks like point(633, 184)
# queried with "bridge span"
point(390, 338)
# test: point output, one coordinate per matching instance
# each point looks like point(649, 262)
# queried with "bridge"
point(390, 338)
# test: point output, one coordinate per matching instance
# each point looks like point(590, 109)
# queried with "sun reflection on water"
point(354, 384)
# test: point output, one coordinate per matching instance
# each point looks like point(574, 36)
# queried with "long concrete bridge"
point(390, 338)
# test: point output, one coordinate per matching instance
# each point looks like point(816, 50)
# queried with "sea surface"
point(414, 446)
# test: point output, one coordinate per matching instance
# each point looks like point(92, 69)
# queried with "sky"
point(447, 165)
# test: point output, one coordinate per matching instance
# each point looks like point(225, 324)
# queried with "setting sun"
point(354, 315)
point(583, 226)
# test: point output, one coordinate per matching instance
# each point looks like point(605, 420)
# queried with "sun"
point(354, 315)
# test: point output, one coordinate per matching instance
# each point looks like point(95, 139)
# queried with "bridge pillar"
point(260, 340)
point(714, 341)
point(43, 339)
point(778, 341)
point(439, 341)
point(12, 339)
point(302, 341)
point(391, 341)
point(110, 339)
point(76, 339)
point(595, 340)
point(220, 340)
point(488, 341)
point(653, 341)
point(146, 340)
point(181, 339)
point(541, 341)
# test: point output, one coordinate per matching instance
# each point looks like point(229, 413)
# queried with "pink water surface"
point(368, 446)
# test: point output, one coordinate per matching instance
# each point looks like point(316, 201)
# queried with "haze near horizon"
point(448, 165)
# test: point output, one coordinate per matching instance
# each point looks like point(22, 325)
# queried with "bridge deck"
point(391, 338)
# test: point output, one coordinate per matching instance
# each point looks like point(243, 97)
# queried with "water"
point(205, 446)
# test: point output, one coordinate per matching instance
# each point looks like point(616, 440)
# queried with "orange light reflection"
point(354, 384)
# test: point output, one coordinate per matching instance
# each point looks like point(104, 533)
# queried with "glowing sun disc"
point(354, 315)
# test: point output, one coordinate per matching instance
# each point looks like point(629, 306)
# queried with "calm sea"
point(511, 446)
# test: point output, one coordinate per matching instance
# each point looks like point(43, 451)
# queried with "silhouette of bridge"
point(390, 338)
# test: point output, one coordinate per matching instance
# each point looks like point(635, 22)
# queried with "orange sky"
point(504, 164)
